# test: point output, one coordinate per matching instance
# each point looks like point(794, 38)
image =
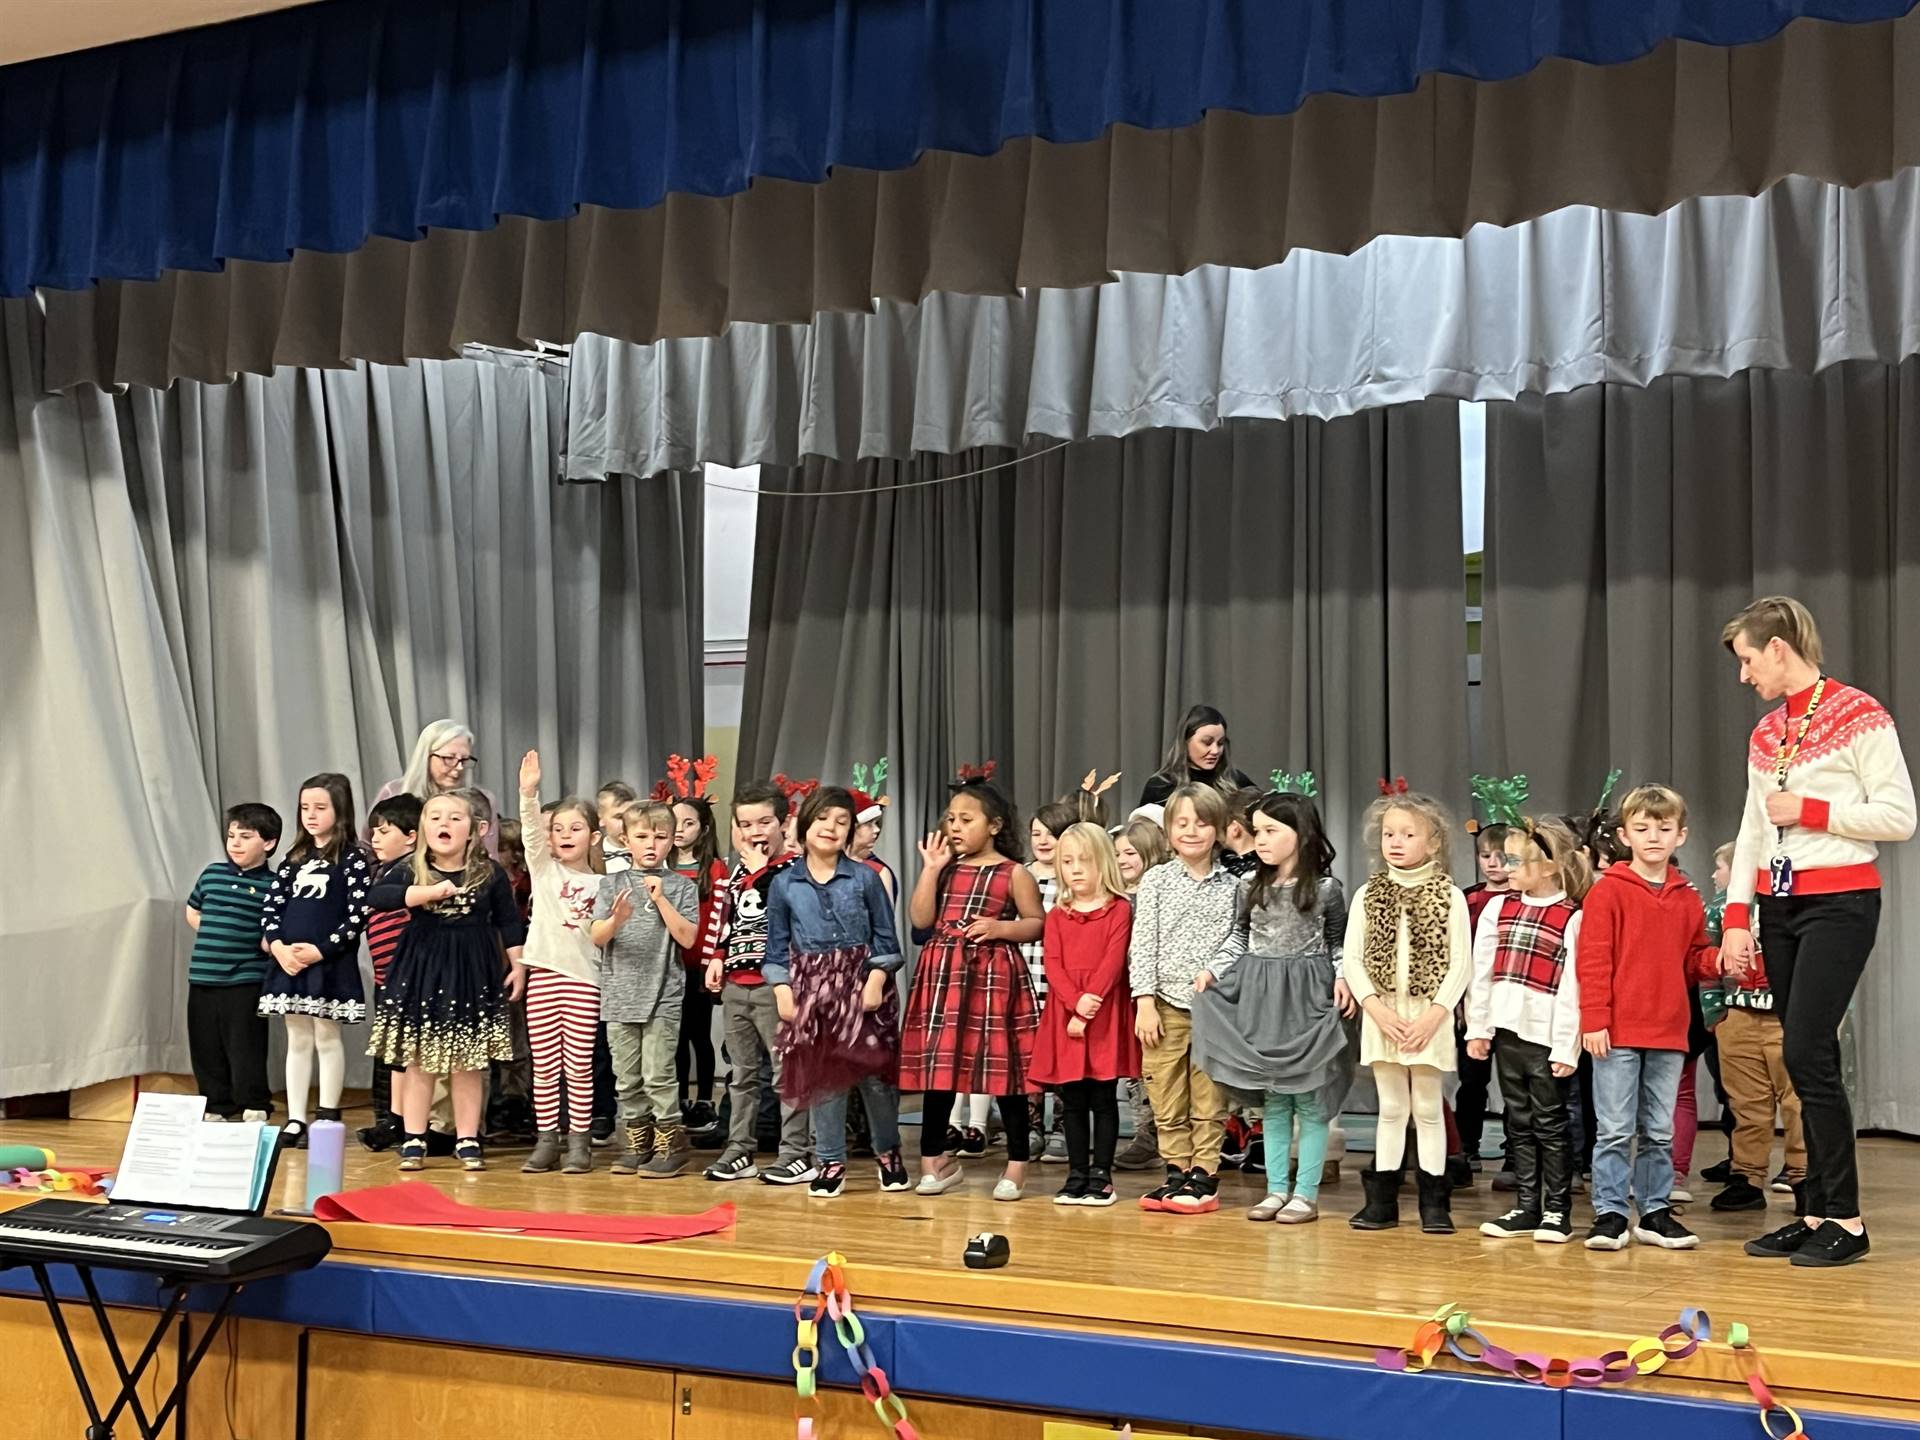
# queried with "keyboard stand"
point(101, 1426)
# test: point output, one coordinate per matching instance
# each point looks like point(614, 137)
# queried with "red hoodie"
point(1641, 948)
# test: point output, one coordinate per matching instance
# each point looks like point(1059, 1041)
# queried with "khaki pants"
point(643, 1070)
point(1755, 1076)
point(1187, 1105)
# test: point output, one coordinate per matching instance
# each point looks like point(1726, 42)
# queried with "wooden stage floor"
point(1835, 1340)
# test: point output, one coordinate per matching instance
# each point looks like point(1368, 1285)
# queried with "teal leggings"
point(1282, 1111)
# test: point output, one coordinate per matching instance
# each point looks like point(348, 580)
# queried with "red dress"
point(972, 1013)
point(1086, 954)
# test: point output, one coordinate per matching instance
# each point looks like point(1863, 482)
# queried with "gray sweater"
point(640, 969)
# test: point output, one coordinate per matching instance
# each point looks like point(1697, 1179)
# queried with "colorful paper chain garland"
point(1451, 1329)
point(826, 1289)
point(61, 1182)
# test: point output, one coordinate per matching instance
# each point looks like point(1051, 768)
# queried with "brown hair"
point(1656, 802)
point(817, 803)
point(1149, 842)
point(1777, 617)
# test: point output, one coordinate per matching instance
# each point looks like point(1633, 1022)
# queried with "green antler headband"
point(1285, 782)
point(872, 780)
point(1606, 791)
point(1503, 800)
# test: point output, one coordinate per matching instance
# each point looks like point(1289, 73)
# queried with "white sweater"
point(1549, 1020)
point(558, 938)
point(1853, 779)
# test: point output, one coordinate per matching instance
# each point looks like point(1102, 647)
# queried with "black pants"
point(1539, 1138)
point(227, 1040)
point(695, 1054)
point(1470, 1100)
point(1816, 949)
point(936, 1113)
point(1092, 1123)
point(605, 1101)
point(1589, 1131)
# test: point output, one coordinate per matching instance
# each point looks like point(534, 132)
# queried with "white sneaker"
point(1679, 1196)
point(253, 1116)
point(1005, 1189)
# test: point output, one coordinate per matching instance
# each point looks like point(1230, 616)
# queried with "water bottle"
point(326, 1159)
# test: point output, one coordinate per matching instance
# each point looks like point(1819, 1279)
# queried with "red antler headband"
point(969, 773)
point(1395, 786)
point(795, 789)
point(677, 787)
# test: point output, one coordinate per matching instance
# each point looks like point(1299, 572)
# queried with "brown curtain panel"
point(1624, 526)
point(1833, 101)
point(1058, 615)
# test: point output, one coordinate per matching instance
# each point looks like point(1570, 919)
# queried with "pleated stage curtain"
point(1306, 577)
point(1624, 526)
point(1037, 208)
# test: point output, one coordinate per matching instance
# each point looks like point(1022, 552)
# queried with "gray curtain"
point(1304, 576)
point(288, 574)
point(1624, 526)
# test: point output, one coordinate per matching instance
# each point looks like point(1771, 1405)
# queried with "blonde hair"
point(1422, 807)
point(1209, 808)
point(477, 866)
point(1554, 842)
point(1099, 849)
point(1656, 802)
point(641, 813)
point(1777, 617)
point(1149, 842)
point(1724, 855)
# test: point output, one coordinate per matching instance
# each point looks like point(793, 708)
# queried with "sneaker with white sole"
point(1661, 1227)
point(738, 1167)
point(1781, 1184)
point(830, 1182)
point(1512, 1225)
point(1679, 1195)
point(893, 1172)
point(1609, 1232)
point(797, 1171)
point(1099, 1192)
point(1553, 1228)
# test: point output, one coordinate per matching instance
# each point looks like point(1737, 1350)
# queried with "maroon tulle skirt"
point(832, 1044)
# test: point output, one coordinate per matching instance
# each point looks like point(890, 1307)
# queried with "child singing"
point(1408, 959)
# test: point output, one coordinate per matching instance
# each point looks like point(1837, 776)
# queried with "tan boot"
point(637, 1145)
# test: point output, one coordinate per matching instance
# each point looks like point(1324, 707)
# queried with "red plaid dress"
point(1533, 945)
point(971, 1014)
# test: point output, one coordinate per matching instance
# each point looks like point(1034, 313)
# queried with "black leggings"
point(1816, 948)
point(1092, 1124)
point(696, 1038)
point(936, 1113)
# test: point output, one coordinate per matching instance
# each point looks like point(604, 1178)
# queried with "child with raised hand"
point(832, 952)
point(315, 912)
point(1643, 945)
point(563, 970)
point(443, 1010)
point(226, 1034)
point(1408, 959)
point(1525, 995)
point(1086, 1041)
point(393, 830)
point(1183, 913)
point(642, 988)
point(1269, 1010)
point(971, 1013)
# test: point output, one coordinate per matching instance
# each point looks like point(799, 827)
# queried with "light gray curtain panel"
point(1803, 276)
point(1624, 526)
point(213, 591)
point(1061, 614)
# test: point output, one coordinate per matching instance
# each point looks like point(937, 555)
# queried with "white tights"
point(1404, 1088)
point(308, 1037)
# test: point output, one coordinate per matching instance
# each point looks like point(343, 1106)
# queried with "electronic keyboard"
point(184, 1245)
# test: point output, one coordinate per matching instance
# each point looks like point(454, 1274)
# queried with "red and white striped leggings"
point(562, 1015)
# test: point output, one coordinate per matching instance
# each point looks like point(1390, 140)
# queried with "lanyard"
point(1784, 759)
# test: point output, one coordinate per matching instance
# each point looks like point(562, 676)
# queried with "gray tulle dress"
point(1268, 1023)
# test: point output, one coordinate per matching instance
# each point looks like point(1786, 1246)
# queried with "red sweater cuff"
point(1813, 813)
point(1736, 918)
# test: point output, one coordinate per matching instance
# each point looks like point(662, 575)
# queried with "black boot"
point(1436, 1203)
point(1382, 1210)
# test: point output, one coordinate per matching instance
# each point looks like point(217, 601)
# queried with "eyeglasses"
point(455, 762)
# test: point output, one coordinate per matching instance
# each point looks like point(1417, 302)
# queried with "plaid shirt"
point(1531, 948)
point(1522, 979)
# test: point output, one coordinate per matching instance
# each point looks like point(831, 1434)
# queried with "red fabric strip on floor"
point(418, 1203)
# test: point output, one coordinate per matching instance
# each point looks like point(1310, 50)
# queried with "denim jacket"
point(850, 909)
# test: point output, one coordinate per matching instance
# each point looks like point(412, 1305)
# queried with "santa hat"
point(865, 807)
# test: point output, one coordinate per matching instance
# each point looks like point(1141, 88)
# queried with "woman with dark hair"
point(1826, 787)
point(1199, 755)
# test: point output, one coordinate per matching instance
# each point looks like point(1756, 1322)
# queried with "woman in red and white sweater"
point(1826, 786)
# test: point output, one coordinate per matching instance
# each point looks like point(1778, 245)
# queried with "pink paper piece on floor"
point(414, 1203)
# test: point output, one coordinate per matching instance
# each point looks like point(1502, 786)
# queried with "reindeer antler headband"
point(1285, 782)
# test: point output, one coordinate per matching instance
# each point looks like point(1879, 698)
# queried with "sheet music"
point(225, 1162)
point(157, 1166)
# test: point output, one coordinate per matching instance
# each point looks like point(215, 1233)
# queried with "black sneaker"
point(1553, 1229)
point(1661, 1227)
point(955, 1141)
point(893, 1173)
point(1609, 1232)
point(1781, 1184)
point(1782, 1243)
point(1099, 1191)
point(1740, 1194)
point(797, 1171)
point(468, 1152)
point(382, 1134)
point(1832, 1244)
point(1256, 1161)
point(740, 1167)
point(831, 1180)
point(1512, 1225)
point(1156, 1198)
point(1073, 1192)
point(972, 1142)
point(1721, 1174)
point(1199, 1194)
point(602, 1130)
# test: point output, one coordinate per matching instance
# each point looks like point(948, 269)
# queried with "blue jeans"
point(883, 1120)
point(1634, 1092)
